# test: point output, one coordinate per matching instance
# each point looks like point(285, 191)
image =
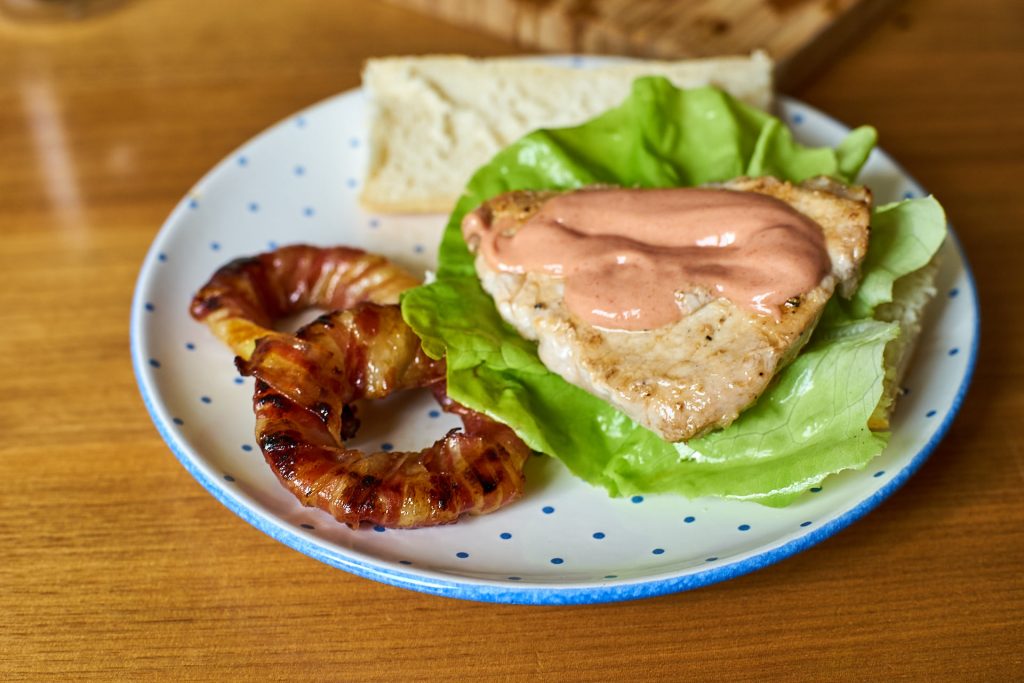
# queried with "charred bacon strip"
point(244, 297)
point(306, 385)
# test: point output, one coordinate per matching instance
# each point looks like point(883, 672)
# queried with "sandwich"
point(754, 399)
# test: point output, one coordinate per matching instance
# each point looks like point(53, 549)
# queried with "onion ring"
point(306, 385)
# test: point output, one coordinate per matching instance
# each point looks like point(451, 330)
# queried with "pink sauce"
point(625, 253)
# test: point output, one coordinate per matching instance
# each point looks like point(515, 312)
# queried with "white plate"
point(565, 541)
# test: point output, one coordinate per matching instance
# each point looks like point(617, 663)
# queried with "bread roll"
point(436, 119)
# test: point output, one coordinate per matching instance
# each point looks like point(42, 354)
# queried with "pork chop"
point(697, 374)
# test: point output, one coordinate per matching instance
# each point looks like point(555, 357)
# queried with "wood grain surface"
point(794, 32)
point(116, 565)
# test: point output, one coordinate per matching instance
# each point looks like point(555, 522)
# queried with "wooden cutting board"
point(800, 35)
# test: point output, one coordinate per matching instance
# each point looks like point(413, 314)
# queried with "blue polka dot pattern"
point(243, 161)
point(150, 307)
point(547, 509)
point(299, 170)
point(308, 211)
point(418, 249)
point(206, 399)
point(690, 520)
point(300, 121)
point(637, 499)
point(953, 293)
point(271, 245)
point(711, 559)
point(434, 413)
point(515, 578)
point(599, 535)
point(307, 526)
point(797, 118)
point(506, 535)
point(215, 246)
point(228, 477)
point(387, 446)
point(162, 256)
point(557, 560)
point(379, 529)
point(953, 351)
point(462, 554)
point(351, 183)
point(246, 447)
point(658, 551)
point(190, 346)
point(178, 421)
point(353, 143)
point(908, 195)
point(239, 380)
point(405, 562)
point(193, 203)
point(744, 527)
point(805, 523)
point(254, 207)
point(154, 362)
point(815, 489)
point(879, 473)
point(930, 413)
point(374, 223)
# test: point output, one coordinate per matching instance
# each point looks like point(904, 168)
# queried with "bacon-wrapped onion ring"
point(306, 384)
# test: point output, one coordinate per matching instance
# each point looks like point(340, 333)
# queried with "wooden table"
point(116, 564)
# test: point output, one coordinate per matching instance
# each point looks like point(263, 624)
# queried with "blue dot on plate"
point(434, 413)
point(374, 223)
point(908, 195)
point(206, 399)
point(953, 351)
point(307, 526)
point(300, 121)
point(150, 307)
point(547, 509)
point(351, 182)
point(690, 520)
point(271, 245)
point(576, 62)
point(190, 346)
point(193, 203)
point(379, 529)
point(637, 499)
point(308, 211)
point(404, 562)
point(744, 527)
point(418, 249)
point(299, 170)
point(611, 576)
point(353, 142)
point(879, 473)
point(178, 421)
point(387, 446)
point(215, 246)
point(815, 489)
point(711, 559)
point(805, 523)
point(228, 477)
point(246, 447)
point(599, 535)
point(557, 560)
point(462, 555)
point(953, 293)
point(154, 362)
point(254, 207)
point(243, 160)
point(506, 535)
point(162, 256)
point(239, 380)
point(515, 578)
point(930, 413)
point(797, 118)
point(658, 551)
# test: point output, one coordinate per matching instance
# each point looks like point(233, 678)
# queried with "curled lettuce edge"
point(780, 446)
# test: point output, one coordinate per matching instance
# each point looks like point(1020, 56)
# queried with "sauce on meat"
point(625, 253)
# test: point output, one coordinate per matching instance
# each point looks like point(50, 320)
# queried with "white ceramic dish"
point(564, 542)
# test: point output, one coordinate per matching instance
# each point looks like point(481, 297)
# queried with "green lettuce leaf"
point(812, 421)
